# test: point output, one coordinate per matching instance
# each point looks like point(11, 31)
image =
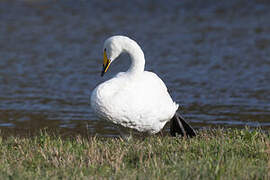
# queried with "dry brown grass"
point(218, 154)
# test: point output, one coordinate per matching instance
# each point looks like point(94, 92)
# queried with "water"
point(214, 57)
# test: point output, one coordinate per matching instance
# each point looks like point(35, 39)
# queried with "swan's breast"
point(104, 98)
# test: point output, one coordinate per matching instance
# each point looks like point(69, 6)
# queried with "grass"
point(214, 154)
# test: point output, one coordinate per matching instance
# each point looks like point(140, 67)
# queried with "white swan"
point(136, 98)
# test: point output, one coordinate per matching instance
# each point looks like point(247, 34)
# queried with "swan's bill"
point(106, 63)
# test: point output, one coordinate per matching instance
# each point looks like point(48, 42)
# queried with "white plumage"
point(136, 98)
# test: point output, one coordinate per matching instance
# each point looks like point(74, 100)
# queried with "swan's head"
point(112, 48)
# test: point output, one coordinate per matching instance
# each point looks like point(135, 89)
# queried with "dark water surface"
point(214, 57)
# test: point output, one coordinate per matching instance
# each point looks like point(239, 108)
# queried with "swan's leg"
point(181, 127)
point(122, 132)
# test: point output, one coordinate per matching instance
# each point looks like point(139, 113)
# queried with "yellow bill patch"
point(106, 63)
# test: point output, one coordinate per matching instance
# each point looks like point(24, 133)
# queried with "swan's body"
point(136, 99)
point(141, 102)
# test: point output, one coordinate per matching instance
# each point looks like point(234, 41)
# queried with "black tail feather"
point(181, 127)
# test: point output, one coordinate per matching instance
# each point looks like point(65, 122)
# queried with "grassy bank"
point(216, 154)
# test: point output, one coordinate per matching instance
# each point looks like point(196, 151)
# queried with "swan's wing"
point(152, 98)
point(152, 77)
point(157, 87)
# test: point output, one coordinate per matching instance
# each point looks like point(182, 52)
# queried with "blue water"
point(213, 56)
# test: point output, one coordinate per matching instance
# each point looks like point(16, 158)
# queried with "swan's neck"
point(137, 57)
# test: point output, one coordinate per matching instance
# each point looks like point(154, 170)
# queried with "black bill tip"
point(102, 72)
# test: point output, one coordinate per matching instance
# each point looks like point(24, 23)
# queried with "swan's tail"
point(181, 127)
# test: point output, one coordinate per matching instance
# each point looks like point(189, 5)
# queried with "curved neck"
point(136, 55)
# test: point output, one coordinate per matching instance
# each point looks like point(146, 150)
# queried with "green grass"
point(216, 154)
